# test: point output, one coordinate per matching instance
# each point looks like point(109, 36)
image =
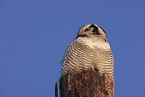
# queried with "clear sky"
point(35, 33)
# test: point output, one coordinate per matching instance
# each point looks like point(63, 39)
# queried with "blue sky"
point(35, 33)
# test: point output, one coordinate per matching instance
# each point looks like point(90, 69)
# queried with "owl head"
point(92, 30)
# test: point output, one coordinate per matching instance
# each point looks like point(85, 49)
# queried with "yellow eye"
point(86, 30)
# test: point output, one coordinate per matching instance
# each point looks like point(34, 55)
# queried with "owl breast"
point(85, 53)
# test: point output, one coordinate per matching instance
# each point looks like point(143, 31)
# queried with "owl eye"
point(86, 30)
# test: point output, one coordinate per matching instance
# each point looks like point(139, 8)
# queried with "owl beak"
point(94, 28)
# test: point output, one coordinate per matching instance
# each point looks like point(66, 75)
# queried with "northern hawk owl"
point(89, 51)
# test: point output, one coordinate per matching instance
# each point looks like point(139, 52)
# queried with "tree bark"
point(87, 83)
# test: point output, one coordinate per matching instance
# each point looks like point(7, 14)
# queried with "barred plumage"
point(82, 54)
point(89, 56)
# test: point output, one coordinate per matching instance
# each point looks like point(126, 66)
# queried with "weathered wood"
point(88, 83)
point(56, 90)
